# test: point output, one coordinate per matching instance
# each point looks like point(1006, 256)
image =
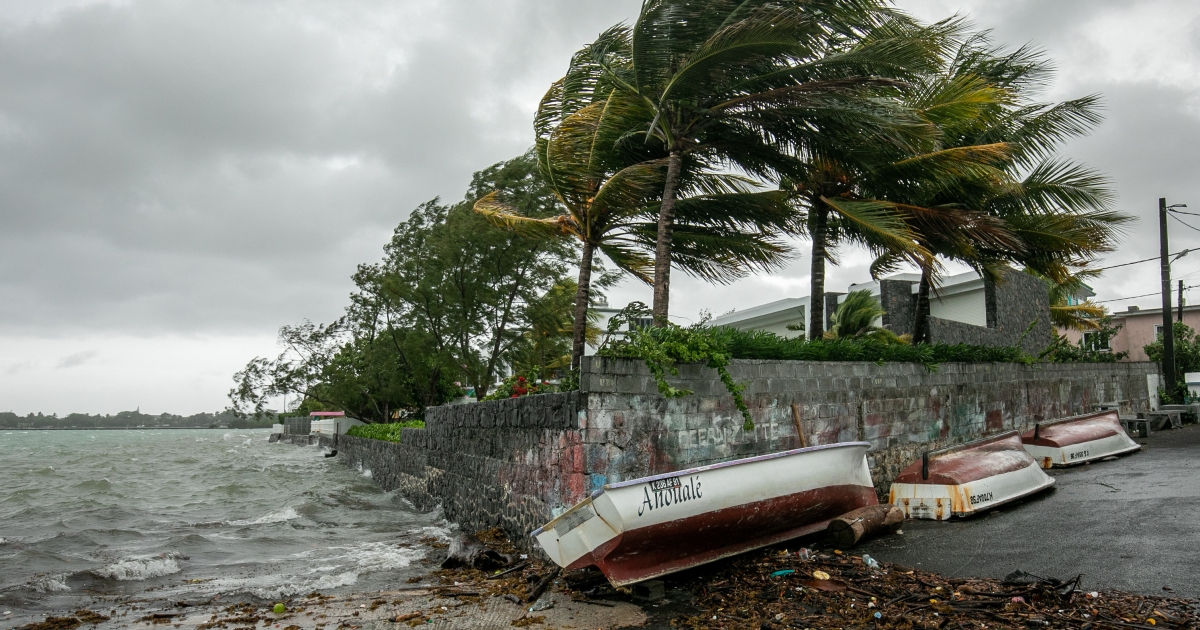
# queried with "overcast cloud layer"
point(179, 178)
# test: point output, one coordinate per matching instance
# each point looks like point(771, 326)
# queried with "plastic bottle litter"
point(870, 562)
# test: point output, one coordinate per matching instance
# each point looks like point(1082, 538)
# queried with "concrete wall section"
point(516, 463)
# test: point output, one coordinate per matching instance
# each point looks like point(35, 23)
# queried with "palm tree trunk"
point(921, 308)
point(820, 229)
point(662, 251)
point(582, 294)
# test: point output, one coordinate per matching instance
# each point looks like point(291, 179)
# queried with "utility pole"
point(1180, 318)
point(1168, 333)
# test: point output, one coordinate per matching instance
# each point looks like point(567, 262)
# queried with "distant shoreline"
point(126, 428)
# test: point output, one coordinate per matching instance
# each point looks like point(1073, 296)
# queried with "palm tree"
point(609, 186)
point(757, 85)
point(1060, 212)
point(855, 318)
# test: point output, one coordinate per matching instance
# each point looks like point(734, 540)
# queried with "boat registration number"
point(574, 519)
point(663, 484)
point(1080, 454)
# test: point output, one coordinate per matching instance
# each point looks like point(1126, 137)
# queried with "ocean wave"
point(434, 531)
point(276, 587)
point(50, 584)
point(279, 516)
point(95, 485)
point(137, 569)
point(377, 556)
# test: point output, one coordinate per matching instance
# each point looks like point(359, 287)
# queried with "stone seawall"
point(516, 463)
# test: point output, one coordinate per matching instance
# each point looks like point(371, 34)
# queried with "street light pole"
point(1168, 333)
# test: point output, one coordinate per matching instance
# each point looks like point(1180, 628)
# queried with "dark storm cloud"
point(223, 165)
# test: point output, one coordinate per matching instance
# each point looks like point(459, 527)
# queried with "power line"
point(1185, 224)
point(1138, 262)
point(1134, 297)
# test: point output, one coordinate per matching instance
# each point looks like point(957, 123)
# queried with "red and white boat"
point(969, 478)
point(643, 528)
point(1078, 439)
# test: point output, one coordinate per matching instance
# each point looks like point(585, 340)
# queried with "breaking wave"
point(279, 516)
point(137, 569)
point(50, 584)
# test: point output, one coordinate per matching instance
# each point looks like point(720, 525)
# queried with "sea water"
point(192, 515)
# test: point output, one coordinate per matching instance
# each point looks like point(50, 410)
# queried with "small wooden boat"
point(1078, 439)
point(644, 528)
point(969, 478)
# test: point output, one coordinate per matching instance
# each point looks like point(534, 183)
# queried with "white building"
point(961, 298)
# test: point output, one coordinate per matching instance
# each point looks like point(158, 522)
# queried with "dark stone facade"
point(1017, 312)
point(516, 463)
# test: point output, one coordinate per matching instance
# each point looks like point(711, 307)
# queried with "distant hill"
point(132, 419)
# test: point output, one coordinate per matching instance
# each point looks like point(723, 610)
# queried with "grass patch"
point(386, 432)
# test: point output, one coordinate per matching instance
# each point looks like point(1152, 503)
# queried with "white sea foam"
point(378, 556)
point(279, 516)
point(137, 569)
point(50, 584)
point(436, 531)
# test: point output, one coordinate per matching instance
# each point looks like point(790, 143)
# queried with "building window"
point(1096, 342)
point(1158, 332)
point(641, 323)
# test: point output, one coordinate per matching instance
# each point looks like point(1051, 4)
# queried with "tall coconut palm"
point(609, 187)
point(1059, 211)
point(756, 84)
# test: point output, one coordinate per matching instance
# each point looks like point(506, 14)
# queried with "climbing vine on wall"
point(663, 347)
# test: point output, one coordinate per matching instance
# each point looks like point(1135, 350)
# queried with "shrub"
point(386, 432)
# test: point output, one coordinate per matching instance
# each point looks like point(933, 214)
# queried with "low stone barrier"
point(516, 463)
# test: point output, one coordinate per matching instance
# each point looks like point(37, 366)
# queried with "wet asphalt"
point(1132, 524)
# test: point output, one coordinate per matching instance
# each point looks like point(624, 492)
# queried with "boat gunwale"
point(691, 471)
point(726, 464)
point(1069, 419)
point(980, 442)
point(1050, 482)
point(1128, 450)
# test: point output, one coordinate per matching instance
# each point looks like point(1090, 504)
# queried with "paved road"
point(1131, 524)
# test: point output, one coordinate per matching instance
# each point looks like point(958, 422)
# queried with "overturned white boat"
point(643, 528)
point(1078, 439)
point(969, 478)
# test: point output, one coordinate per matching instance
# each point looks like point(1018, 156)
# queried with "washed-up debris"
point(468, 551)
point(749, 592)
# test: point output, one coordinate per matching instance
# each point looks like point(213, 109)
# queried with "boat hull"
point(1078, 440)
point(646, 528)
point(968, 479)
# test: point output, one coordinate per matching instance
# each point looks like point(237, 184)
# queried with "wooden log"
point(852, 528)
point(799, 425)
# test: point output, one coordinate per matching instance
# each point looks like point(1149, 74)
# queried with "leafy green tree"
point(1187, 359)
point(454, 300)
point(449, 272)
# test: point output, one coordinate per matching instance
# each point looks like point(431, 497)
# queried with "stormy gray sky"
point(179, 178)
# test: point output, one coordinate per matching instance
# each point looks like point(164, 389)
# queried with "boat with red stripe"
point(644, 528)
point(1078, 439)
point(969, 478)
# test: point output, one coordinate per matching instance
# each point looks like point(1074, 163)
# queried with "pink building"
point(1139, 328)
